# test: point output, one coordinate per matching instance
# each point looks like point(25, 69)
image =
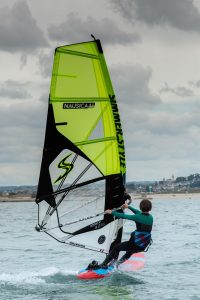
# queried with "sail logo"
point(63, 164)
point(78, 105)
point(119, 133)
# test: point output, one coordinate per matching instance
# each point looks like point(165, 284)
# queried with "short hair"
point(145, 205)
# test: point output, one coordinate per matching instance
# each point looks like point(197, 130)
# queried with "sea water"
point(35, 266)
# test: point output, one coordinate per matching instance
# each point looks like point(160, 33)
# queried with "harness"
point(142, 239)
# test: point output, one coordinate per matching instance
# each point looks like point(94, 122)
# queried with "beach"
point(166, 196)
point(150, 196)
point(16, 199)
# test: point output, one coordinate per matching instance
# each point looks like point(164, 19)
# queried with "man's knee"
point(117, 246)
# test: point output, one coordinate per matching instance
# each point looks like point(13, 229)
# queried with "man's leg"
point(113, 255)
point(126, 256)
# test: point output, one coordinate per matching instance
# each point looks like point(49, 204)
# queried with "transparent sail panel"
point(78, 218)
point(70, 169)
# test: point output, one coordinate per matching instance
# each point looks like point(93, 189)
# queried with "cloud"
point(14, 90)
point(22, 126)
point(132, 86)
point(23, 113)
point(171, 124)
point(74, 29)
point(180, 14)
point(159, 144)
point(195, 84)
point(19, 31)
point(45, 96)
point(180, 91)
point(151, 125)
point(20, 173)
point(45, 62)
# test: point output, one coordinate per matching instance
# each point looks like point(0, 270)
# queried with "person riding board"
point(139, 239)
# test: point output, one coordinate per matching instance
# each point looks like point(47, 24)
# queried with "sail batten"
point(96, 141)
point(80, 99)
point(76, 53)
point(83, 153)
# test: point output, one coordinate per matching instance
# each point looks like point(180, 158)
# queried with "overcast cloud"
point(19, 30)
point(75, 28)
point(179, 90)
point(14, 89)
point(132, 85)
point(152, 51)
point(180, 14)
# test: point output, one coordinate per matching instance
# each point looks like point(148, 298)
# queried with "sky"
point(152, 51)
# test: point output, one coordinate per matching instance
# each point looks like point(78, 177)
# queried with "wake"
point(47, 275)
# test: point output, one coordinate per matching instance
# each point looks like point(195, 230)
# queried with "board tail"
point(134, 263)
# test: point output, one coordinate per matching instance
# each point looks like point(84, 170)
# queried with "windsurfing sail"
point(83, 163)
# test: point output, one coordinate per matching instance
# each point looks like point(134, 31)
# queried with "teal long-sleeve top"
point(144, 221)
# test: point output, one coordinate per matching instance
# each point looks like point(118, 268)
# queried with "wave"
point(54, 276)
point(48, 275)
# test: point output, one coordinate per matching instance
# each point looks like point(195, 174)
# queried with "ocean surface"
point(34, 266)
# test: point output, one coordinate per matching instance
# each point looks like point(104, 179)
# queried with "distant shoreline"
point(17, 199)
point(172, 196)
point(150, 196)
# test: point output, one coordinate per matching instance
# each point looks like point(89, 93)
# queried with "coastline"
point(163, 196)
point(151, 196)
point(17, 199)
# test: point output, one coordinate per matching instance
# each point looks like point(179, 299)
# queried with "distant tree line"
point(193, 180)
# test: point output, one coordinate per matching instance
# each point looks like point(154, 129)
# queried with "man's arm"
point(136, 217)
point(134, 210)
point(123, 216)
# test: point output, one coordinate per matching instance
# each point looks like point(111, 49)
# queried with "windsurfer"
point(140, 238)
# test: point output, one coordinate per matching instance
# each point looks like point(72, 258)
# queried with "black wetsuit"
point(144, 222)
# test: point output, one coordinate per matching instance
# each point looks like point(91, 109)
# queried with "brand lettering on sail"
point(77, 245)
point(119, 132)
point(65, 166)
point(78, 105)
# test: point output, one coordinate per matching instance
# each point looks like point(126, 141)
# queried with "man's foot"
point(93, 265)
point(113, 262)
point(102, 266)
point(119, 262)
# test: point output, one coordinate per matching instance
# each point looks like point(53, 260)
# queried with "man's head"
point(145, 205)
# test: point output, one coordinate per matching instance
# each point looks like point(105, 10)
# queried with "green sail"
point(81, 84)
